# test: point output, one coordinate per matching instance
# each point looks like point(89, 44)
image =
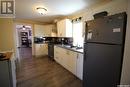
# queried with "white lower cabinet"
point(66, 58)
point(40, 49)
point(58, 54)
point(72, 61)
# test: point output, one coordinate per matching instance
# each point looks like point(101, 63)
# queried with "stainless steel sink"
point(79, 48)
point(75, 48)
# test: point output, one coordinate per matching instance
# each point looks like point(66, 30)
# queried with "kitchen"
point(70, 51)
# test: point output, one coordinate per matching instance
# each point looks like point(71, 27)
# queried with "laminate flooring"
point(43, 72)
point(25, 52)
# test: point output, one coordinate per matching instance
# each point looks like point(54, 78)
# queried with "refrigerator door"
point(106, 30)
point(102, 65)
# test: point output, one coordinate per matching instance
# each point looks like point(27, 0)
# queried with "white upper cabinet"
point(64, 28)
point(43, 30)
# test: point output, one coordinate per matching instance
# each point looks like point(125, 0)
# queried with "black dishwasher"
point(51, 50)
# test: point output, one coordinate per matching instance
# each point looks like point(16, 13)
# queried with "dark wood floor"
point(43, 72)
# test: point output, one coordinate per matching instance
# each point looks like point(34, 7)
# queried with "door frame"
point(16, 35)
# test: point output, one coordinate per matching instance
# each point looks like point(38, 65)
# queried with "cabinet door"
point(47, 30)
point(65, 56)
point(42, 30)
point(60, 28)
point(38, 30)
point(55, 53)
point(79, 70)
point(44, 49)
point(68, 28)
point(64, 28)
point(37, 49)
point(71, 61)
point(62, 56)
point(41, 49)
point(58, 54)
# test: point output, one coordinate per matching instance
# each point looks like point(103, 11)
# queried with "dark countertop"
point(72, 49)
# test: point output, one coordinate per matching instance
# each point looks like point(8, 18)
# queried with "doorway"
point(24, 41)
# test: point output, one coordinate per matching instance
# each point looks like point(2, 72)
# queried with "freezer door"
point(109, 29)
point(102, 65)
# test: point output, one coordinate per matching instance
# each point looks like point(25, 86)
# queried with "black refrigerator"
point(103, 51)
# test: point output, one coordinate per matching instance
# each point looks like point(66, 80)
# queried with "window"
point(78, 34)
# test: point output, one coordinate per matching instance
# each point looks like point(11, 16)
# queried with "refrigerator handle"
point(84, 56)
point(85, 50)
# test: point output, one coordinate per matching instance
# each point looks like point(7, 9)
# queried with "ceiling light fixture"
point(41, 10)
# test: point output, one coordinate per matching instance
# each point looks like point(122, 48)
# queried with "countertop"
point(7, 56)
point(71, 48)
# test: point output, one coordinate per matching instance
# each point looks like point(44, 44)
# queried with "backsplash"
point(54, 40)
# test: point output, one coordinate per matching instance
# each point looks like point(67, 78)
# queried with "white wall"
point(112, 7)
point(126, 63)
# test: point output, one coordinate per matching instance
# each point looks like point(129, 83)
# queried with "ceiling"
point(26, 9)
